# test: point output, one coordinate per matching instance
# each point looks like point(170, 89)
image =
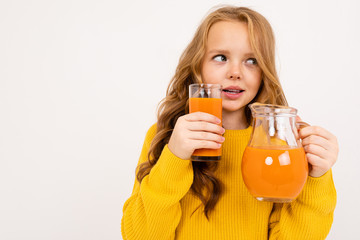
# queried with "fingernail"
point(218, 120)
point(222, 139)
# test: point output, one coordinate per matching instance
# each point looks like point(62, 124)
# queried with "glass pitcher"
point(274, 165)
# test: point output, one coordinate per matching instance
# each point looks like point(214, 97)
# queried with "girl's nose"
point(234, 73)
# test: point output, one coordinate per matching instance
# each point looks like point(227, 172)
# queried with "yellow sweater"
point(161, 207)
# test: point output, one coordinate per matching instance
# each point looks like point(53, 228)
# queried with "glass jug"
point(274, 165)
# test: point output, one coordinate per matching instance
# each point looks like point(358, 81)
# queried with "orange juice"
point(212, 106)
point(274, 174)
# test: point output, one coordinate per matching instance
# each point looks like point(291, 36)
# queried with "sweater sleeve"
point(153, 210)
point(310, 216)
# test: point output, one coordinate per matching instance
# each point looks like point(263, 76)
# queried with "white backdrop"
point(80, 82)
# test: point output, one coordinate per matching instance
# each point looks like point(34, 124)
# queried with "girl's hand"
point(194, 131)
point(321, 148)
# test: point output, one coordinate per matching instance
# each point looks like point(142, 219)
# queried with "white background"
point(80, 82)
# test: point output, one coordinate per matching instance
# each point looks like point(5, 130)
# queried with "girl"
point(174, 198)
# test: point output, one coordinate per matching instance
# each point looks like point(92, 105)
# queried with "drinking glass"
point(206, 98)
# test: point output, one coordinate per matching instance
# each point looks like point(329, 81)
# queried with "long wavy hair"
point(205, 185)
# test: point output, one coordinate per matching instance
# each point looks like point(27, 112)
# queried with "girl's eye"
point(251, 61)
point(220, 58)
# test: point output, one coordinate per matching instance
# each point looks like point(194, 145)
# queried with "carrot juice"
point(212, 106)
point(274, 174)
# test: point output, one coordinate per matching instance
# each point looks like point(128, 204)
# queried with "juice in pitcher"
point(274, 174)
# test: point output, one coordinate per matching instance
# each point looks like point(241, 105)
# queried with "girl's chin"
point(233, 108)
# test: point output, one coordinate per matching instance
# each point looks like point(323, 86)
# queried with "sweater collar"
point(238, 132)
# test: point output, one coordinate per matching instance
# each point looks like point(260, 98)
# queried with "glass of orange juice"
point(274, 165)
point(206, 98)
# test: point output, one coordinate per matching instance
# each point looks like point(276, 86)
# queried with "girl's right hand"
point(194, 131)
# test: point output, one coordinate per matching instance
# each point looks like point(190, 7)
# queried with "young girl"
point(175, 198)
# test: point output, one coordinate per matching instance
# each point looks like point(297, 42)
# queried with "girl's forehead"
point(228, 33)
point(228, 29)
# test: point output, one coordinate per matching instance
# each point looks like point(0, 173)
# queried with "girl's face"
point(230, 61)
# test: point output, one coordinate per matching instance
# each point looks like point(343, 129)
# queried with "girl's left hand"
point(321, 148)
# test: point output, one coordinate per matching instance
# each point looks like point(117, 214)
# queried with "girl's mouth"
point(232, 92)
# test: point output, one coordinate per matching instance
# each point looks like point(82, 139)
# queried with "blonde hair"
point(205, 185)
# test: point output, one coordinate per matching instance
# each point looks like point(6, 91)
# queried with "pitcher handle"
point(301, 124)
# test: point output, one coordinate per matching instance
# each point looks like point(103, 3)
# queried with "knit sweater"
point(163, 206)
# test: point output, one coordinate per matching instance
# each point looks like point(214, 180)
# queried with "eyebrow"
point(222, 51)
point(218, 51)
